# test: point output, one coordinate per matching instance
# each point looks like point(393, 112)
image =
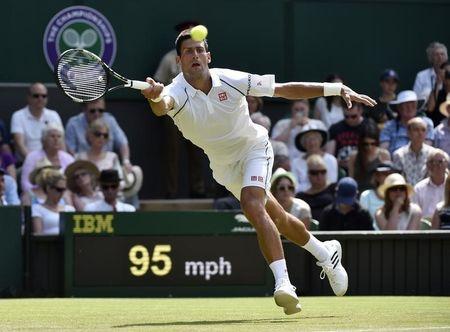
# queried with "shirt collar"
point(191, 91)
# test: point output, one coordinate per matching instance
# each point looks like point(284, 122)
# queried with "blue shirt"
point(11, 196)
point(76, 129)
point(396, 133)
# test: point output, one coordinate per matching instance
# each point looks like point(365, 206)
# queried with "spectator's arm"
point(435, 221)
point(414, 223)
point(19, 143)
point(28, 166)
point(38, 225)
point(330, 147)
point(380, 219)
point(282, 133)
point(351, 165)
point(11, 196)
point(71, 138)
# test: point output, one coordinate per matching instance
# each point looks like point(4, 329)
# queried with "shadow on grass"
point(230, 321)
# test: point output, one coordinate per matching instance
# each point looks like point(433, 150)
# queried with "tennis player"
point(209, 107)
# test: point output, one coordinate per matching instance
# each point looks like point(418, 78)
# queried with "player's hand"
point(349, 95)
point(154, 90)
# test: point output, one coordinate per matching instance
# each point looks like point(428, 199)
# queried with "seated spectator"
point(279, 148)
point(255, 104)
point(282, 161)
point(344, 134)
point(441, 217)
point(97, 138)
point(36, 193)
point(8, 189)
point(371, 199)
point(28, 123)
point(397, 213)
point(428, 78)
point(438, 96)
point(381, 113)
point(7, 162)
point(321, 192)
point(345, 213)
point(430, 191)
point(5, 139)
point(310, 140)
point(368, 155)
point(82, 178)
point(283, 189)
point(442, 131)
point(109, 183)
point(77, 128)
point(52, 151)
point(330, 110)
point(394, 134)
point(411, 158)
point(45, 216)
point(285, 130)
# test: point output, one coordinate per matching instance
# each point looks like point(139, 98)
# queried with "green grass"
point(227, 314)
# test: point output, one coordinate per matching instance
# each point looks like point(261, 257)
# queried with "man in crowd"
point(8, 189)
point(27, 123)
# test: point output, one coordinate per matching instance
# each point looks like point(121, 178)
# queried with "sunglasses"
point(317, 172)
point(110, 186)
point(352, 116)
point(39, 95)
point(79, 175)
point(59, 189)
point(99, 134)
point(397, 189)
point(437, 162)
point(286, 188)
point(95, 110)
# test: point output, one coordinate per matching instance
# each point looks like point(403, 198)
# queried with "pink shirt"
point(427, 196)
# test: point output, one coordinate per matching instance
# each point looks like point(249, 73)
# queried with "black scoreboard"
point(162, 254)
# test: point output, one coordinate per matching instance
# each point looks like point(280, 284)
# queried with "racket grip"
point(138, 85)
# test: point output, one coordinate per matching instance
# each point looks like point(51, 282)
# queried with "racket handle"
point(138, 85)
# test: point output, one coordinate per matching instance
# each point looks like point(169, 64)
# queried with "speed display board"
point(162, 254)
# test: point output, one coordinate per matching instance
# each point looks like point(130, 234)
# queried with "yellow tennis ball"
point(199, 33)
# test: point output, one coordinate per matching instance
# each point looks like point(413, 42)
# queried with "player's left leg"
point(328, 253)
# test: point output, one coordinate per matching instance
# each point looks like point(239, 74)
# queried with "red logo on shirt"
point(223, 96)
point(260, 179)
point(254, 178)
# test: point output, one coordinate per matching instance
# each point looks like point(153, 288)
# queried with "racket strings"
point(81, 76)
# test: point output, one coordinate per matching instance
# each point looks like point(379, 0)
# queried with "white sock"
point(279, 270)
point(317, 248)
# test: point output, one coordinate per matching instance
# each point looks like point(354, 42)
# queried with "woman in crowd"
point(330, 109)
point(52, 153)
point(45, 216)
point(441, 218)
point(310, 140)
point(367, 156)
point(398, 212)
point(97, 137)
point(82, 178)
point(437, 97)
point(321, 192)
point(371, 199)
point(283, 188)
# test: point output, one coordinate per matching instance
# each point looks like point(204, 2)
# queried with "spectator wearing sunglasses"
point(82, 177)
point(45, 216)
point(345, 213)
point(77, 127)
point(397, 212)
point(109, 184)
point(283, 188)
point(28, 123)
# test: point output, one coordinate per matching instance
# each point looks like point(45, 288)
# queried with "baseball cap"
point(389, 73)
point(346, 191)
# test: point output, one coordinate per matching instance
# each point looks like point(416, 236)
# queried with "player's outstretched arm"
point(300, 90)
point(159, 105)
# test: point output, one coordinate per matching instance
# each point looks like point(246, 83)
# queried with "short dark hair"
point(185, 35)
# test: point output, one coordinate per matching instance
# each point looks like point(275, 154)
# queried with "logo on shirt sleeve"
point(223, 96)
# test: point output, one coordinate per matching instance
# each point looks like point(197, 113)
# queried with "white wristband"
point(157, 100)
point(332, 89)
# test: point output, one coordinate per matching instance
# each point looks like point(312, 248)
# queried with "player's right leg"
point(328, 253)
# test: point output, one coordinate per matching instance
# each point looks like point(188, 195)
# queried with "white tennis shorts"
point(253, 170)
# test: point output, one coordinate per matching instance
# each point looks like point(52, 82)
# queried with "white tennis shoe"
point(333, 269)
point(286, 297)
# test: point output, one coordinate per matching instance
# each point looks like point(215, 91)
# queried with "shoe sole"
point(290, 303)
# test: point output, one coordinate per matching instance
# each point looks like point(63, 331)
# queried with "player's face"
point(194, 58)
point(37, 98)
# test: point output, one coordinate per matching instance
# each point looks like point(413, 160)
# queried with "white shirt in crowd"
point(223, 129)
point(102, 206)
point(50, 218)
point(23, 122)
point(427, 196)
point(370, 201)
point(424, 83)
point(328, 117)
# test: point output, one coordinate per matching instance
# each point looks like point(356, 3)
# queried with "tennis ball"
point(199, 33)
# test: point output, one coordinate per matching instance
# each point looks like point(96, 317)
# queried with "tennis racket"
point(84, 77)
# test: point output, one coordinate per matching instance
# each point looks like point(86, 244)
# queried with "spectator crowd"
point(335, 168)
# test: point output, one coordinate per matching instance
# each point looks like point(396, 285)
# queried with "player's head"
point(193, 56)
point(185, 35)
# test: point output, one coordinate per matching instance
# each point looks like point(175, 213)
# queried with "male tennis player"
point(209, 108)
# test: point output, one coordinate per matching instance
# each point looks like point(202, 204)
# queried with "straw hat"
point(133, 181)
point(444, 107)
point(41, 165)
point(395, 180)
point(75, 166)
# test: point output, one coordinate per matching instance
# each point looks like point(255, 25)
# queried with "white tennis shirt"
point(219, 122)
